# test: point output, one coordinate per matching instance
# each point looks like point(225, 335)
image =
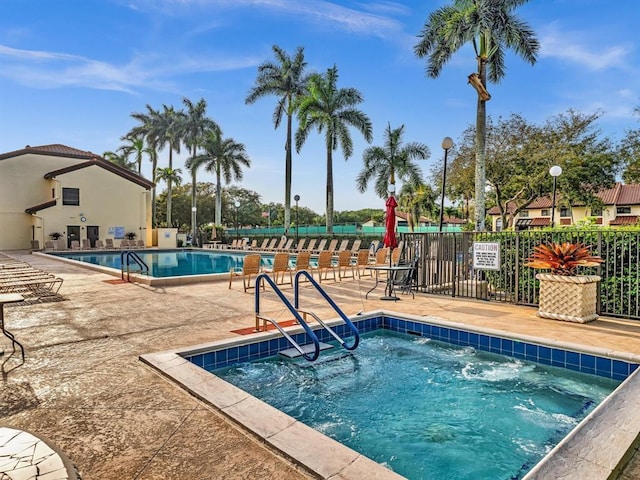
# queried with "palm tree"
point(331, 109)
point(149, 128)
point(170, 176)
point(120, 160)
point(390, 161)
point(225, 158)
point(196, 124)
point(491, 27)
point(137, 147)
point(417, 198)
point(286, 79)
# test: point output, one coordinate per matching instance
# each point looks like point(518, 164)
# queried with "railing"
point(446, 266)
point(316, 343)
point(347, 321)
point(127, 258)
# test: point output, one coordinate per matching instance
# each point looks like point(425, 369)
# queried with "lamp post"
point(296, 198)
point(237, 204)
point(194, 226)
point(447, 143)
point(555, 172)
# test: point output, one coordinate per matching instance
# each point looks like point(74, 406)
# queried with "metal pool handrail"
point(125, 259)
point(329, 300)
point(298, 317)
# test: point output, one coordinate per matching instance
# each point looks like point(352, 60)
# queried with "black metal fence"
point(446, 266)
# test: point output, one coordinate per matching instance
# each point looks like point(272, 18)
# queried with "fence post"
point(517, 272)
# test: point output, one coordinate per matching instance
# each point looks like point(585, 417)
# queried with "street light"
point(296, 198)
point(194, 226)
point(447, 143)
point(555, 172)
point(237, 204)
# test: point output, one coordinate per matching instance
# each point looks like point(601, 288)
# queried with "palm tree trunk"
point(193, 201)
point(287, 177)
point(169, 188)
point(218, 219)
point(329, 206)
point(481, 139)
point(154, 167)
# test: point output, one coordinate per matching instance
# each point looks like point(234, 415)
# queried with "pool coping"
point(596, 448)
point(142, 279)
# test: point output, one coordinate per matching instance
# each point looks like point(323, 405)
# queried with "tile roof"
point(58, 150)
point(629, 194)
point(541, 222)
point(625, 220)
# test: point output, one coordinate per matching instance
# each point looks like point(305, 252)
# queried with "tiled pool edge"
point(596, 448)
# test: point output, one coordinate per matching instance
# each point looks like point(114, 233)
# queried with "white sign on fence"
point(486, 255)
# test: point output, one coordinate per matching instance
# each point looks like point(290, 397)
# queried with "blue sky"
point(72, 72)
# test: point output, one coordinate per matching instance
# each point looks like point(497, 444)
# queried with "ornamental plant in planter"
point(565, 295)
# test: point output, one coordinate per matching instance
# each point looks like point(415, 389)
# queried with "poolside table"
point(9, 298)
point(392, 271)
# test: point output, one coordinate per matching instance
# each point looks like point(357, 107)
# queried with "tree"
point(136, 147)
point(332, 110)
point(170, 176)
point(491, 27)
point(629, 153)
point(120, 160)
point(224, 157)
point(417, 198)
point(195, 127)
point(390, 161)
point(286, 79)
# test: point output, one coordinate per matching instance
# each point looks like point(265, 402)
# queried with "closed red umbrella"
point(390, 239)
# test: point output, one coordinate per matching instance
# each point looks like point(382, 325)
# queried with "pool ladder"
point(309, 351)
point(127, 258)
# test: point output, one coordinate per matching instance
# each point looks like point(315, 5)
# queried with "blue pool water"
point(428, 409)
point(172, 263)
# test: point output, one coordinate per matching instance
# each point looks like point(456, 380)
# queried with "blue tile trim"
point(580, 362)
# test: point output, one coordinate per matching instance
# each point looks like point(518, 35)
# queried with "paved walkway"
point(83, 387)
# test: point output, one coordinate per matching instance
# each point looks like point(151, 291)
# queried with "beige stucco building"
point(78, 194)
point(621, 207)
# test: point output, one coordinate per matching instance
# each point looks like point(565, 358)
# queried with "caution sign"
point(486, 255)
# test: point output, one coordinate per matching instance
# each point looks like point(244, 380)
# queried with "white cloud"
point(574, 47)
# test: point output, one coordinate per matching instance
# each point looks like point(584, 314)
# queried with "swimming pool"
point(169, 266)
point(327, 458)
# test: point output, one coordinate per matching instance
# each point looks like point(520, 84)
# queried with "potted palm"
point(565, 295)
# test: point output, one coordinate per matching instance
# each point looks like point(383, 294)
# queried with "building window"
point(596, 211)
point(565, 211)
point(623, 210)
point(524, 214)
point(545, 212)
point(71, 196)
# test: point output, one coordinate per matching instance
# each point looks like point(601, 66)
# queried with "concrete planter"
point(572, 299)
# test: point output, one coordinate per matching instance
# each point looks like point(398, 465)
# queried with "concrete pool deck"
point(84, 388)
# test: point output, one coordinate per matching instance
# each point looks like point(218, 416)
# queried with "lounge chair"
point(140, 244)
point(75, 245)
point(250, 268)
point(263, 245)
point(343, 245)
point(406, 284)
point(287, 246)
point(49, 245)
point(280, 268)
point(108, 243)
point(321, 246)
point(99, 244)
point(35, 245)
point(325, 264)
point(344, 264)
point(311, 246)
point(86, 244)
point(253, 245)
point(302, 261)
point(300, 246)
point(124, 244)
point(271, 245)
point(355, 248)
point(332, 245)
point(280, 245)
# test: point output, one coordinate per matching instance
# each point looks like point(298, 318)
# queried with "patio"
point(83, 387)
